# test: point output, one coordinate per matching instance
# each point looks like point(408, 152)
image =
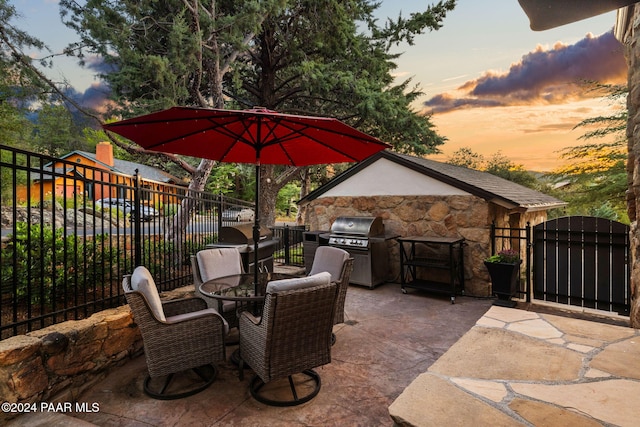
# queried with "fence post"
point(529, 244)
point(492, 237)
point(137, 232)
point(287, 254)
point(220, 208)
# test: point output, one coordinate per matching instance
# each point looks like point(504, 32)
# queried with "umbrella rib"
point(296, 132)
point(218, 127)
point(222, 129)
point(271, 126)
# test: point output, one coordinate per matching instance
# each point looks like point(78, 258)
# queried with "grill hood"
point(358, 226)
point(242, 234)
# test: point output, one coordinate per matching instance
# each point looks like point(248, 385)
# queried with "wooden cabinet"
point(433, 264)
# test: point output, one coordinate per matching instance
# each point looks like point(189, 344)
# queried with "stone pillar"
point(632, 53)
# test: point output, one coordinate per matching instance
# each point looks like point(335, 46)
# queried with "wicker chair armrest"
point(188, 332)
point(253, 337)
point(195, 269)
point(210, 319)
point(183, 305)
point(343, 284)
point(251, 318)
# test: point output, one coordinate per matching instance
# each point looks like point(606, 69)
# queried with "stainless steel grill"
point(355, 231)
point(364, 238)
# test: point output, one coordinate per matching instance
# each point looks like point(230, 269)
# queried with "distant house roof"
point(49, 173)
point(129, 168)
point(481, 184)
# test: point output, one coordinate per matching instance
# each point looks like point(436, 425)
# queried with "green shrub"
point(32, 262)
point(170, 209)
point(157, 256)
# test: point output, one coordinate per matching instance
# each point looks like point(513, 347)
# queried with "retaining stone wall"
point(57, 363)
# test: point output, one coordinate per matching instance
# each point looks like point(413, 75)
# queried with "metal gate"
point(582, 261)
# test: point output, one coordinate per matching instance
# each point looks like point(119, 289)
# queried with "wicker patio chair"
point(292, 337)
point(178, 336)
point(210, 264)
point(339, 264)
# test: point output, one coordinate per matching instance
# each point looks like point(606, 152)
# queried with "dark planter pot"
point(504, 280)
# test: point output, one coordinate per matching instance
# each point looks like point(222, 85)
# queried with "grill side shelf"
point(422, 257)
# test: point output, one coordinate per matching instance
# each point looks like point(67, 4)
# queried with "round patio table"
point(240, 287)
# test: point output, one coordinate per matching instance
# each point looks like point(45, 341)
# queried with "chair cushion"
point(142, 281)
point(194, 314)
point(299, 282)
point(328, 258)
point(219, 262)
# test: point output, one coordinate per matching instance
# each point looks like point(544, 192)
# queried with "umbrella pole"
point(256, 229)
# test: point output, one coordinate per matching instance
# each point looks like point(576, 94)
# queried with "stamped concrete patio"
point(389, 339)
point(415, 360)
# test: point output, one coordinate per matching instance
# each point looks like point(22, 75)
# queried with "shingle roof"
point(129, 168)
point(49, 173)
point(482, 184)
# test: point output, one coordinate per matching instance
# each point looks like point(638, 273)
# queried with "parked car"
point(238, 214)
point(147, 213)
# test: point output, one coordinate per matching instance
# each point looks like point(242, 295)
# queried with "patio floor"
point(523, 368)
point(424, 362)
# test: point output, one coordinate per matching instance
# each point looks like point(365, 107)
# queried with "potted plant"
point(504, 269)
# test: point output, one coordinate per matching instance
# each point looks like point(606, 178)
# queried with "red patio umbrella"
point(256, 136)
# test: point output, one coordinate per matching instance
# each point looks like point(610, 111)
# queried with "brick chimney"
point(104, 153)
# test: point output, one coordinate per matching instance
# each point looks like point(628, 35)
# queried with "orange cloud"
point(532, 136)
point(541, 77)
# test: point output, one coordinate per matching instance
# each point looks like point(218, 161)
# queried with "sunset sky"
point(494, 85)
point(491, 83)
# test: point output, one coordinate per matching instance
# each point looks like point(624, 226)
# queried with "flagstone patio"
point(518, 367)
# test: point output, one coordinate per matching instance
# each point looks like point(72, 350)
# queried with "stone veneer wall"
point(632, 53)
point(57, 363)
point(442, 216)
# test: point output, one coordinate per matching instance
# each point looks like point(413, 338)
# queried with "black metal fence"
point(579, 261)
point(70, 230)
point(290, 247)
point(583, 261)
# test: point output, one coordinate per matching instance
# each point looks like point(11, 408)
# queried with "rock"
point(16, 349)
point(29, 380)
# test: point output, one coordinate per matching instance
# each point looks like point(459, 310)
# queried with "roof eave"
point(471, 189)
point(528, 208)
point(548, 14)
point(461, 185)
point(545, 206)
